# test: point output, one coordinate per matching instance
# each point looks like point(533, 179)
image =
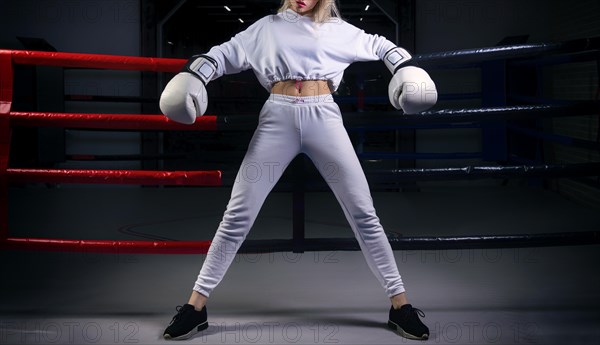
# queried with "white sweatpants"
point(287, 126)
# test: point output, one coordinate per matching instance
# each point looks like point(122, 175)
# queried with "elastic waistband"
point(287, 99)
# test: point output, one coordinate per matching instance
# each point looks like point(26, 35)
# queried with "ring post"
point(6, 93)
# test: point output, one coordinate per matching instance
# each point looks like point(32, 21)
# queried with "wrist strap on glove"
point(397, 58)
point(202, 67)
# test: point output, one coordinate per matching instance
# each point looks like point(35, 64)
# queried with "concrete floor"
point(509, 296)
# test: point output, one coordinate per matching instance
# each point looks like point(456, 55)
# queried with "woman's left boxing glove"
point(411, 88)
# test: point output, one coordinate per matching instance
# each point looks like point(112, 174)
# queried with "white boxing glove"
point(185, 98)
point(411, 88)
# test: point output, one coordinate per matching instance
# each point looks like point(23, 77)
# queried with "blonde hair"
point(323, 11)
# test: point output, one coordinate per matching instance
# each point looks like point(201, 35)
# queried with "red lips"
point(301, 4)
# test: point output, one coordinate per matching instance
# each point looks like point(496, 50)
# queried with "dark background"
point(133, 27)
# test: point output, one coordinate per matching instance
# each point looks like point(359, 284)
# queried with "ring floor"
point(547, 295)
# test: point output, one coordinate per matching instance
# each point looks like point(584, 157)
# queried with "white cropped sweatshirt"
point(291, 46)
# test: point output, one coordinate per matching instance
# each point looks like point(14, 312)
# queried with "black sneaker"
point(186, 323)
point(406, 322)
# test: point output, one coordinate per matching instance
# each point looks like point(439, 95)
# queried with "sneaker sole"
point(401, 332)
point(189, 334)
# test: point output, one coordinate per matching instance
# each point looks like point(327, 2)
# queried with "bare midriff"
point(301, 87)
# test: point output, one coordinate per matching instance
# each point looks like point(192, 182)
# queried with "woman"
point(299, 55)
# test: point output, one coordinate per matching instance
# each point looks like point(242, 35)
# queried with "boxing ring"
point(213, 178)
point(493, 120)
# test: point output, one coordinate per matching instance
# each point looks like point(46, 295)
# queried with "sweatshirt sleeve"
point(231, 56)
point(371, 47)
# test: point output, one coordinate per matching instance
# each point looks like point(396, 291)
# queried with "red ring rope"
point(109, 121)
point(116, 62)
point(94, 121)
point(106, 246)
point(142, 177)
